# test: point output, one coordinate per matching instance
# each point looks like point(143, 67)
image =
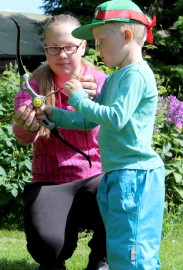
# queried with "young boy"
point(131, 193)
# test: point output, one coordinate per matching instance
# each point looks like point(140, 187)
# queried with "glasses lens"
point(70, 49)
point(56, 50)
point(53, 50)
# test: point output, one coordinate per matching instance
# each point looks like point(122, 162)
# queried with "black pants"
point(54, 215)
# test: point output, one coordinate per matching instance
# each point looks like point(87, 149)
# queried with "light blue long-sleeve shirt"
point(125, 111)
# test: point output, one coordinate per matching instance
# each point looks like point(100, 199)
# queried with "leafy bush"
point(15, 160)
point(168, 143)
point(172, 79)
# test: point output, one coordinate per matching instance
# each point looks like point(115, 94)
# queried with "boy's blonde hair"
point(139, 30)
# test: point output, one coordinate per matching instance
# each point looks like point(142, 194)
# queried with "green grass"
point(171, 253)
point(14, 256)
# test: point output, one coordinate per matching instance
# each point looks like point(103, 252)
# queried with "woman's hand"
point(89, 85)
point(25, 118)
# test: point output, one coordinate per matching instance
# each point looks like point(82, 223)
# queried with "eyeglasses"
point(55, 50)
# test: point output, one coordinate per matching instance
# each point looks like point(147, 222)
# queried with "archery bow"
point(39, 100)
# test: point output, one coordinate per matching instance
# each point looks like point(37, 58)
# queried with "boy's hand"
point(89, 85)
point(71, 86)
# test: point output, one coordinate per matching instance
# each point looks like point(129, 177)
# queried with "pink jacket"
point(53, 161)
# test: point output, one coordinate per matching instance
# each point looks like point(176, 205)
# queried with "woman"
point(61, 198)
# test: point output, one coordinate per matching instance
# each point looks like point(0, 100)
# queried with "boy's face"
point(110, 44)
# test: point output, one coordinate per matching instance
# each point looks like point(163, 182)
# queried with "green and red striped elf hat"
point(116, 10)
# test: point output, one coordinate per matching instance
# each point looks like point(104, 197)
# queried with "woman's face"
point(63, 64)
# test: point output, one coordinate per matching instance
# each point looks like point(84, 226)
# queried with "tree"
point(167, 11)
point(83, 10)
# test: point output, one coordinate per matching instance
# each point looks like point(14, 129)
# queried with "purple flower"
point(172, 110)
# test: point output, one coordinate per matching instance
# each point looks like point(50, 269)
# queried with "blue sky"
point(28, 6)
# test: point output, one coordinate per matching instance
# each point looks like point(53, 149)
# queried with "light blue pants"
point(131, 204)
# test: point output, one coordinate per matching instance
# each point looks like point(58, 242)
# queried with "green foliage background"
point(15, 160)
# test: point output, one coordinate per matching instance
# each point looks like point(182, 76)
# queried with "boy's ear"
point(128, 35)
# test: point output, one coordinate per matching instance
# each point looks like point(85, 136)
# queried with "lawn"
point(14, 256)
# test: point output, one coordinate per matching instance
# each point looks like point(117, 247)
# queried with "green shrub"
point(168, 143)
point(15, 160)
point(172, 79)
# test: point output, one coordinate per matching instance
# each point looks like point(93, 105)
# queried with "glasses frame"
point(61, 49)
